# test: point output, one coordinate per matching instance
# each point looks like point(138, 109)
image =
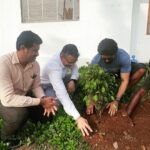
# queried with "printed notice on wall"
point(49, 10)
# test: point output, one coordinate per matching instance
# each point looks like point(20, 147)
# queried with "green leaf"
point(103, 90)
point(95, 98)
point(112, 97)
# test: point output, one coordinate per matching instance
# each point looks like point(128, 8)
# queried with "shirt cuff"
point(76, 116)
point(36, 101)
point(74, 77)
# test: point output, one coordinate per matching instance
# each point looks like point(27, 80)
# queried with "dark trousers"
point(15, 117)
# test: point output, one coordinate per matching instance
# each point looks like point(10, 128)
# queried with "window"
point(148, 20)
point(49, 10)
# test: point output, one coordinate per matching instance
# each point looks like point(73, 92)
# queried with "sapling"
point(97, 86)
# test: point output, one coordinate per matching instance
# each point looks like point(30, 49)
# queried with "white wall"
point(140, 41)
point(98, 19)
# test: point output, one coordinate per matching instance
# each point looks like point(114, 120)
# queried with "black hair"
point(27, 38)
point(70, 49)
point(107, 47)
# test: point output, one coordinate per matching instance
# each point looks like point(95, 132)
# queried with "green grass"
point(59, 134)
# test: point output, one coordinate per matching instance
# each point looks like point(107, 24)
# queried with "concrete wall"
point(140, 41)
point(98, 19)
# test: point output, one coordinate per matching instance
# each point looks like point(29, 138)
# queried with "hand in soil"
point(90, 108)
point(83, 125)
point(113, 108)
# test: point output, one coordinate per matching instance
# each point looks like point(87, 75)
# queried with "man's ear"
point(61, 56)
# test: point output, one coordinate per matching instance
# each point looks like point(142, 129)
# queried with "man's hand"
point(83, 126)
point(71, 86)
point(113, 108)
point(48, 102)
point(90, 108)
point(48, 111)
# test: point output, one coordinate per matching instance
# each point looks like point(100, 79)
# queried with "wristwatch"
point(117, 99)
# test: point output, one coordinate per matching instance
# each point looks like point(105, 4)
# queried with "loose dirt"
point(121, 133)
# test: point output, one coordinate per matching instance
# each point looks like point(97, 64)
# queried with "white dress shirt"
point(53, 73)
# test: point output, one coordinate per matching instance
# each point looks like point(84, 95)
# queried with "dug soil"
point(121, 133)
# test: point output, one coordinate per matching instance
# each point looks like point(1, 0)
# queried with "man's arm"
point(113, 106)
point(123, 85)
point(36, 86)
point(55, 77)
point(49, 103)
point(125, 69)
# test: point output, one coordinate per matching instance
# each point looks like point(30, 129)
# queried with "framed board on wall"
point(49, 10)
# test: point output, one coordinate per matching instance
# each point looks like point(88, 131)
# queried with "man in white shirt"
point(52, 78)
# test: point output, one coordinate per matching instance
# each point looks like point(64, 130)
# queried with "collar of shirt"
point(15, 59)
